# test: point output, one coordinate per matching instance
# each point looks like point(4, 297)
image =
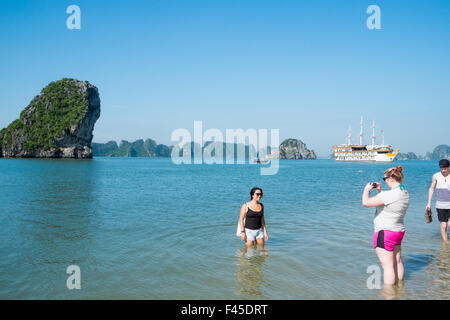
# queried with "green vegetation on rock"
point(406, 156)
point(441, 152)
point(295, 149)
point(56, 113)
point(60, 106)
point(138, 148)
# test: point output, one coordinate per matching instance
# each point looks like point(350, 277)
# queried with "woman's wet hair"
point(252, 192)
point(395, 173)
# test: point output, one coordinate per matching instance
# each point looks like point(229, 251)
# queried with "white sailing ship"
point(360, 152)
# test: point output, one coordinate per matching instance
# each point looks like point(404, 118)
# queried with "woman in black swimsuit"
point(254, 227)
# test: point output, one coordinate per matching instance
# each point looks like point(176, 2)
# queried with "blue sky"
point(307, 68)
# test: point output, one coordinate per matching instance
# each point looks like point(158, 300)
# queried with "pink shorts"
point(387, 239)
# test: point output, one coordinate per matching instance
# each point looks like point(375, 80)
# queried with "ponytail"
point(395, 173)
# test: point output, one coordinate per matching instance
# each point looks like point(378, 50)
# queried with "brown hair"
point(395, 173)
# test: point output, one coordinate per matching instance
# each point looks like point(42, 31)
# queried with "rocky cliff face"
point(295, 149)
point(104, 149)
point(441, 152)
point(58, 123)
point(138, 148)
point(406, 156)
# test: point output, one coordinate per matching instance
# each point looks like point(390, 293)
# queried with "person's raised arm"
point(375, 201)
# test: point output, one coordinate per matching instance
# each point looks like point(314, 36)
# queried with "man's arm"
point(431, 192)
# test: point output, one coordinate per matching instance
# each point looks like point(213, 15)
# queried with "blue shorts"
point(253, 234)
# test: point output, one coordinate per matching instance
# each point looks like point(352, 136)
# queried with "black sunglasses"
point(384, 179)
point(258, 194)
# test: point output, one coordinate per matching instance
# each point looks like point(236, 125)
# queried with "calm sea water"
point(148, 229)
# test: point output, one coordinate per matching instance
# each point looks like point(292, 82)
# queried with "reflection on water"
point(433, 266)
point(54, 206)
point(440, 272)
point(390, 292)
point(442, 261)
point(249, 273)
point(414, 263)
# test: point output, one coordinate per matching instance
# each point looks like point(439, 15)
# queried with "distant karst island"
point(288, 149)
point(58, 123)
point(440, 152)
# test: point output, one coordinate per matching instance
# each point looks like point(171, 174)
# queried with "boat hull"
point(364, 156)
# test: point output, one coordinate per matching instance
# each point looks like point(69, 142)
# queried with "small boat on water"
point(258, 160)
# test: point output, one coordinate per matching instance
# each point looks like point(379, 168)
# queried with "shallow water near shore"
point(143, 228)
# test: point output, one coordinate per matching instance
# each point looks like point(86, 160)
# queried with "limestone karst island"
point(58, 123)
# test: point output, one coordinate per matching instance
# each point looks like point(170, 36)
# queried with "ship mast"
point(349, 137)
point(361, 132)
point(373, 132)
point(382, 136)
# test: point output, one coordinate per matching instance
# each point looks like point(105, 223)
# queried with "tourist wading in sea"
point(389, 225)
point(251, 220)
point(441, 182)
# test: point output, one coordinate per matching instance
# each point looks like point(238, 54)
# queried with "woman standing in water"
point(389, 222)
point(254, 228)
